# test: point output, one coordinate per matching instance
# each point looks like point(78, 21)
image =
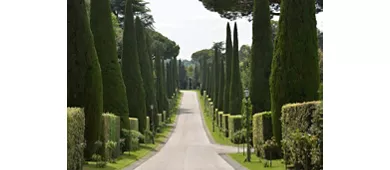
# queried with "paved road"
point(189, 148)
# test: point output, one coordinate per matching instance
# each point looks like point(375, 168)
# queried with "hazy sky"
point(193, 27)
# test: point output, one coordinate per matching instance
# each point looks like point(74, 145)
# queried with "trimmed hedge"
point(159, 119)
point(164, 116)
point(211, 109)
point(134, 124)
point(147, 123)
point(225, 123)
point(262, 131)
point(75, 138)
point(234, 125)
point(302, 132)
point(220, 114)
point(111, 131)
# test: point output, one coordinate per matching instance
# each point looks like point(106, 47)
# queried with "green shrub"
point(225, 123)
point(111, 132)
point(234, 125)
point(262, 131)
point(134, 124)
point(302, 132)
point(75, 138)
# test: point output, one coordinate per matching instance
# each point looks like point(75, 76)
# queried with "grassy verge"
point(217, 136)
point(255, 163)
point(127, 159)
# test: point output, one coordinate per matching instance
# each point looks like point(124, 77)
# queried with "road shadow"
point(185, 111)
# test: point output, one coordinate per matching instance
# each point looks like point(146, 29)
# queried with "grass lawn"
point(126, 159)
point(255, 164)
point(217, 136)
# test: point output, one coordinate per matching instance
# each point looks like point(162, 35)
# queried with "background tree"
point(139, 7)
point(114, 90)
point(146, 68)
point(295, 71)
point(235, 85)
point(84, 81)
point(261, 57)
point(234, 9)
point(131, 70)
point(229, 58)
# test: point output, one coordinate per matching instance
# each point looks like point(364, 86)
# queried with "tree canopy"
point(139, 8)
point(234, 9)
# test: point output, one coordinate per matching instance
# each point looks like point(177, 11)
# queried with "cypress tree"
point(206, 70)
point(164, 87)
point(216, 78)
point(114, 90)
point(131, 70)
point(261, 57)
point(295, 69)
point(159, 84)
point(210, 79)
point(84, 79)
point(235, 84)
point(221, 84)
point(203, 74)
point(175, 75)
point(229, 53)
point(146, 67)
point(169, 81)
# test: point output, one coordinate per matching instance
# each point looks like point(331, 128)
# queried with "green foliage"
point(100, 163)
point(239, 136)
point(146, 68)
point(262, 131)
point(261, 57)
point(234, 125)
point(164, 116)
point(131, 70)
point(302, 130)
point(295, 71)
point(75, 138)
point(110, 148)
point(111, 132)
point(235, 84)
point(229, 53)
point(84, 80)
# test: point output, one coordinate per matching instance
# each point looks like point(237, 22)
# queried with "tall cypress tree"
point(114, 90)
point(131, 70)
point(159, 84)
point(146, 67)
point(221, 84)
point(261, 57)
point(295, 69)
point(229, 53)
point(210, 79)
point(164, 82)
point(169, 80)
point(84, 79)
point(203, 74)
point(235, 84)
point(216, 77)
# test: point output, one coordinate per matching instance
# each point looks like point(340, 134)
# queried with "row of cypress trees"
point(97, 82)
point(286, 72)
point(224, 86)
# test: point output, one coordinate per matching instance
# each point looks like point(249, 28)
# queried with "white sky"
point(193, 27)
